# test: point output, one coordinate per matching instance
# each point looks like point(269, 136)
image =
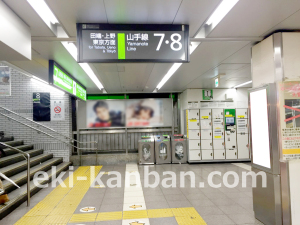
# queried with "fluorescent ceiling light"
point(44, 11)
point(170, 73)
point(175, 67)
point(221, 11)
point(72, 49)
point(243, 84)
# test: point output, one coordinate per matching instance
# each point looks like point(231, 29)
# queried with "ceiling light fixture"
point(72, 49)
point(220, 12)
point(41, 7)
point(174, 68)
point(243, 84)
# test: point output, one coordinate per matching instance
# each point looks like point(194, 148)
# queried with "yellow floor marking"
point(160, 213)
point(189, 221)
point(58, 206)
point(135, 214)
point(108, 216)
point(90, 217)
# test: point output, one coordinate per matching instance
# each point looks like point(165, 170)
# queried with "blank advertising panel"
point(260, 128)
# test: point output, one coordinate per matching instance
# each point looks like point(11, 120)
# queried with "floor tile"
point(179, 204)
point(111, 208)
point(141, 221)
point(163, 221)
point(208, 210)
point(242, 218)
point(217, 220)
point(157, 205)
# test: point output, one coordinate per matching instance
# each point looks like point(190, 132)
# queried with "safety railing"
point(27, 157)
point(79, 149)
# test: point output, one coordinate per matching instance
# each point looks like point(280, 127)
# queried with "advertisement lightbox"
point(63, 80)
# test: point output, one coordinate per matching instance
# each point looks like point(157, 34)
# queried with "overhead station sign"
point(63, 80)
point(105, 43)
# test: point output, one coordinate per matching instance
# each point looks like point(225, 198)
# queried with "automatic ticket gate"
point(146, 150)
point(162, 149)
point(179, 148)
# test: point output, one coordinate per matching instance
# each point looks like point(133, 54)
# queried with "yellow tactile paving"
point(186, 212)
point(107, 216)
point(58, 206)
point(139, 214)
point(36, 220)
point(190, 220)
point(90, 217)
point(159, 213)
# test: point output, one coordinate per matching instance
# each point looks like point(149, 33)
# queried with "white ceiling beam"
point(226, 39)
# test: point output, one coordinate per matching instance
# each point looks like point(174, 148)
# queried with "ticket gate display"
point(179, 149)
point(146, 150)
point(162, 149)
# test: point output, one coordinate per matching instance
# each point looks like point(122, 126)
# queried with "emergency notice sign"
point(57, 110)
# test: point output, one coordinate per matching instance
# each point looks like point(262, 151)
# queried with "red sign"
point(57, 109)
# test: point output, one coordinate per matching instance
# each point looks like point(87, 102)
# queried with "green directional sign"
point(59, 78)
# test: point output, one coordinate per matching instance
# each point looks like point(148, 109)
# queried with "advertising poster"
point(146, 112)
point(5, 81)
point(41, 106)
point(289, 103)
point(57, 110)
point(105, 113)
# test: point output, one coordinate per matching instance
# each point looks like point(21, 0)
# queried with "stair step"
point(8, 160)
point(21, 178)
point(6, 139)
point(18, 196)
point(16, 168)
point(15, 143)
point(9, 151)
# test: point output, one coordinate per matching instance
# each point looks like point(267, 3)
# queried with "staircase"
point(14, 166)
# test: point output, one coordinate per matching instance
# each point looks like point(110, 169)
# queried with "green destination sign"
point(58, 77)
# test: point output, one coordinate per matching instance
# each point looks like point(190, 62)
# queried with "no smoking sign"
point(57, 109)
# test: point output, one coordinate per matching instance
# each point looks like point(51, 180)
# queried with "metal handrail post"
point(28, 180)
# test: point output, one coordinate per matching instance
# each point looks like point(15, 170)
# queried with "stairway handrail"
point(27, 157)
point(39, 124)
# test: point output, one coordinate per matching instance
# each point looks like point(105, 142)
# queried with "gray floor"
point(215, 205)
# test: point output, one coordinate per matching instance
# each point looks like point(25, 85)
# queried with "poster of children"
point(5, 81)
point(105, 113)
point(143, 113)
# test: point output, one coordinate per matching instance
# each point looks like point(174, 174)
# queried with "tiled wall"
point(20, 101)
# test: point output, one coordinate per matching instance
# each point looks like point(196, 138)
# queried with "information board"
point(63, 80)
point(132, 43)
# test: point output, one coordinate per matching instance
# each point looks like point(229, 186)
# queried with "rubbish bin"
point(162, 149)
point(179, 149)
point(146, 150)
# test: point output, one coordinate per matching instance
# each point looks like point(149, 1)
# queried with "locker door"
point(194, 144)
point(218, 144)
point(193, 114)
point(205, 114)
point(206, 134)
point(243, 146)
point(241, 113)
point(230, 140)
point(219, 154)
point(194, 124)
point(207, 154)
point(205, 124)
point(194, 134)
point(217, 113)
point(195, 154)
point(206, 144)
point(219, 134)
point(231, 154)
point(242, 126)
point(218, 123)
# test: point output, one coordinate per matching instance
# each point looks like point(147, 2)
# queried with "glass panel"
point(163, 151)
point(179, 151)
point(146, 152)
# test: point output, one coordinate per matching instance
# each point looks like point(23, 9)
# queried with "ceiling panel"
point(195, 13)
point(208, 55)
point(24, 10)
point(70, 12)
point(254, 17)
point(141, 11)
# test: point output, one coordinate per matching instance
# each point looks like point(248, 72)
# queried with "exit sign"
point(217, 82)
